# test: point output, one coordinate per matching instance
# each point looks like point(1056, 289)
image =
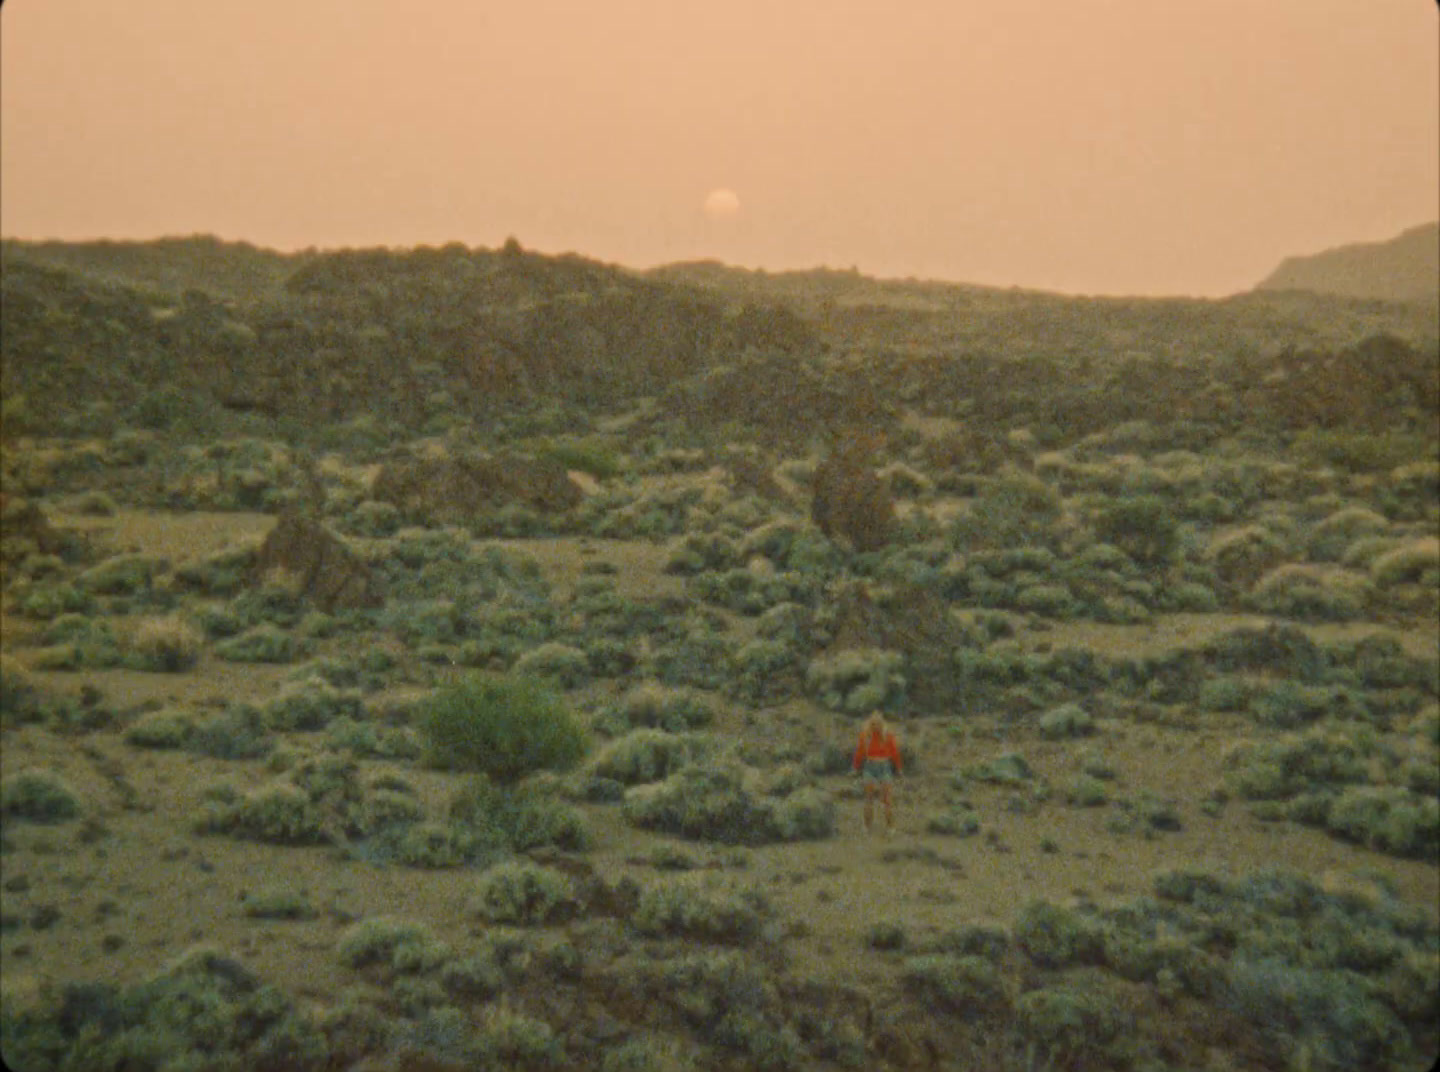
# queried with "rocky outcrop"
point(326, 571)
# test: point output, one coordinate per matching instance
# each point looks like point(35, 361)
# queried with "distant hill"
point(1405, 269)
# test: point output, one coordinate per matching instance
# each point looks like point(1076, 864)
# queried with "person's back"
point(877, 761)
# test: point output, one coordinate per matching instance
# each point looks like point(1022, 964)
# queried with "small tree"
point(504, 726)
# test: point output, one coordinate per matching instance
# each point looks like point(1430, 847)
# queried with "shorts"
point(877, 770)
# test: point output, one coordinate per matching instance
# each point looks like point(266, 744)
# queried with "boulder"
point(328, 573)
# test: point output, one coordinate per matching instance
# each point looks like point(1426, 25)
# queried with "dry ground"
point(132, 888)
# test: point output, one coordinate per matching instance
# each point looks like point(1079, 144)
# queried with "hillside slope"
point(1405, 268)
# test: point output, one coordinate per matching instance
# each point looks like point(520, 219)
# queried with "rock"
point(328, 572)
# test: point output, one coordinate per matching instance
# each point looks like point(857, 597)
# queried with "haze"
point(1109, 146)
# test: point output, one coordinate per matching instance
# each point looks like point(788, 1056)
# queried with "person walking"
point(877, 761)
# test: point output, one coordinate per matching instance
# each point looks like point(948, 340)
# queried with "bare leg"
point(889, 808)
point(869, 805)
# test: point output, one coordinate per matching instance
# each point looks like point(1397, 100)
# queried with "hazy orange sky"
point(1097, 146)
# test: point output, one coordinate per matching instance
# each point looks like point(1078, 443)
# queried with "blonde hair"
point(875, 723)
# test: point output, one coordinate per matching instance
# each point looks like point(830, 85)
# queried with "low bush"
point(505, 727)
point(1332, 537)
point(38, 796)
point(523, 893)
point(310, 705)
point(166, 728)
point(857, 681)
point(1007, 769)
point(648, 755)
point(1389, 819)
point(956, 821)
point(1057, 937)
point(416, 842)
point(223, 573)
point(1066, 721)
point(279, 903)
point(262, 644)
point(566, 666)
point(1417, 561)
point(1310, 593)
point(122, 575)
point(1078, 1024)
point(672, 709)
point(393, 945)
point(512, 819)
point(682, 908)
point(238, 732)
point(280, 814)
point(165, 645)
point(967, 986)
point(723, 801)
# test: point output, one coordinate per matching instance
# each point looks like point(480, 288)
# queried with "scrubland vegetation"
point(452, 659)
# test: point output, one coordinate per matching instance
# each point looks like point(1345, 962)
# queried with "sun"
point(721, 204)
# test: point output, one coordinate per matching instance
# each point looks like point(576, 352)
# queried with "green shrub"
point(372, 741)
point(1087, 792)
point(1066, 721)
point(1074, 1025)
point(223, 573)
point(50, 600)
point(523, 893)
point(675, 710)
point(311, 705)
point(38, 796)
point(509, 818)
point(431, 844)
point(1049, 600)
point(1415, 561)
point(279, 903)
point(513, 1040)
point(78, 642)
point(1241, 556)
point(1389, 819)
point(1331, 538)
point(1309, 593)
point(166, 728)
point(1012, 509)
point(165, 645)
point(721, 801)
point(238, 732)
point(1143, 527)
point(967, 986)
point(1229, 692)
point(648, 755)
point(955, 822)
point(281, 814)
point(122, 575)
point(682, 908)
point(262, 644)
point(1007, 769)
point(567, 666)
point(1333, 1017)
point(857, 680)
point(1057, 937)
point(506, 727)
point(394, 944)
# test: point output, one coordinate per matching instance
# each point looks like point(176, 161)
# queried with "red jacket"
point(877, 746)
